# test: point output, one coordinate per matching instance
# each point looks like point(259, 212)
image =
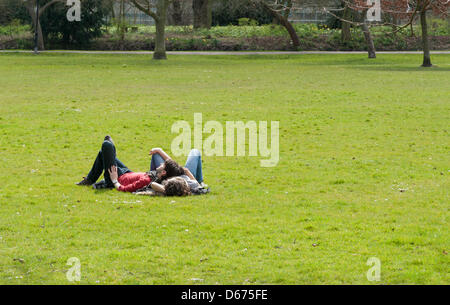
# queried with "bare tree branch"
point(147, 9)
point(45, 6)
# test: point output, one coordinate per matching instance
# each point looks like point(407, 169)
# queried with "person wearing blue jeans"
point(193, 162)
point(106, 162)
point(186, 183)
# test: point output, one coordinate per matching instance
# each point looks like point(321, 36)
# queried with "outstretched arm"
point(189, 174)
point(158, 187)
point(161, 152)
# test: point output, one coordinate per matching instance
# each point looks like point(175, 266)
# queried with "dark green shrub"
point(226, 12)
point(247, 21)
point(58, 30)
point(11, 10)
point(25, 44)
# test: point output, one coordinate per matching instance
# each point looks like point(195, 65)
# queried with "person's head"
point(176, 186)
point(169, 169)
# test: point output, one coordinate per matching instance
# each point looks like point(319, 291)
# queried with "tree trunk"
point(32, 11)
point(202, 13)
point(177, 13)
point(287, 9)
point(160, 17)
point(41, 45)
point(277, 7)
point(369, 41)
point(284, 22)
point(160, 40)
point(368, 36)
point(412, 30)
point(425, 40)
point(394, 25)
point(160, 23)
point(345, 27)
point(196, 9)
point(121, 24)
point(209, 14)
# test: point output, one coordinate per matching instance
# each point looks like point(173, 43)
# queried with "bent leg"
point(97, 168)
point(109, 159)
point(106, 158)
point(122, 168)
point(156, 161)
point(194, 164)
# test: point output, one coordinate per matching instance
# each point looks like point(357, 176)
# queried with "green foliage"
point(439, 27)
point(11, 10)
point(267, 37)
point(181, 44)
point(15, 28)
point(363, 171)
point(227, 12)
point(242, 31)
point(58, 30)
point(247, 21)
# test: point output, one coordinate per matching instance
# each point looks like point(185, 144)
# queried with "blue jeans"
point(193, 163)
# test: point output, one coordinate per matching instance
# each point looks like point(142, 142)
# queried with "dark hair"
point(172, 169)
point(176, 187)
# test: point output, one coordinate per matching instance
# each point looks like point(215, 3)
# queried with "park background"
point(214, 25)
point(363, 170)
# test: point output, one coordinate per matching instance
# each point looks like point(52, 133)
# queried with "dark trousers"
point(106, 158)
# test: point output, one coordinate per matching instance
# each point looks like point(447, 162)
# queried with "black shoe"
point(102, 185)
point(85, 181)
point(108, 138)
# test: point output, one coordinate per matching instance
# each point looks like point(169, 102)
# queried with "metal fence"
point(308, 15)
point(300, 15)
point(133, 15)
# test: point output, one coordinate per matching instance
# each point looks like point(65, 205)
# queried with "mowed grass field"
point(364, 170)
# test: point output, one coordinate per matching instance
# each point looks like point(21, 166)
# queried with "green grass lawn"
point(364, 170)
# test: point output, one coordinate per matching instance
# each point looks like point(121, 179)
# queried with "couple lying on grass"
point(165, 177)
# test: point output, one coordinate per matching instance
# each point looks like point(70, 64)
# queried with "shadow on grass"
point(101, 191)
point(384, 62)
point(400, 69)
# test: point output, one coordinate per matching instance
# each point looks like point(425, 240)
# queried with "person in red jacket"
point(116, 173)
point(166, 176)
point(131, 182)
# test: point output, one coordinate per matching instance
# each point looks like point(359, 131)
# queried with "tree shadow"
point(378, 68)
point(102, 191)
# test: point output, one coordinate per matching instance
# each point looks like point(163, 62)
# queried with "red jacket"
point(131, 182)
